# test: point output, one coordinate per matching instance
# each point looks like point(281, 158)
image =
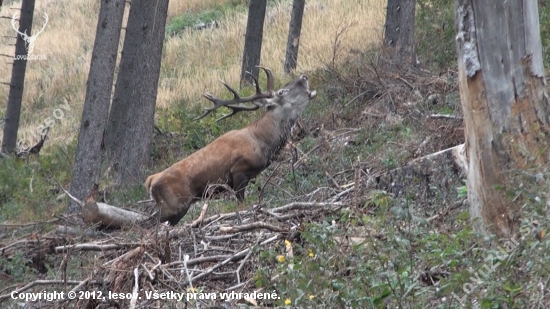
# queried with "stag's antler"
point(269, 93)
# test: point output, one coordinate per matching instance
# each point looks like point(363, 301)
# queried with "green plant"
point(16, 266)
point(207, 17)
point(434, 34)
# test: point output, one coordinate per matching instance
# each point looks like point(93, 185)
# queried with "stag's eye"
point(282, 92)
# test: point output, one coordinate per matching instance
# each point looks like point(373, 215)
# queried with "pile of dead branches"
point(217, 253)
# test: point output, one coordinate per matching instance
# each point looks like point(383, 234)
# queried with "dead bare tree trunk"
point(89, 150)
point(294, 30)
point(17, 83)
point(131, 119)
point(253, 40)
point(398, 50)
point(506, 108)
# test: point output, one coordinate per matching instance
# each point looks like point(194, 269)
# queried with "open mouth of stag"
point(310, 94)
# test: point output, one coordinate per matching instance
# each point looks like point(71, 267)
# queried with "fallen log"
point(110, 216)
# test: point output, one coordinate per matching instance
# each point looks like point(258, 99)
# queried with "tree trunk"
point(253, 40)
point(125, 87)
point(506, 110)
point(90, 146)
point(293, 41)
point(17, 83)
point(398, 50)
point(131, 119)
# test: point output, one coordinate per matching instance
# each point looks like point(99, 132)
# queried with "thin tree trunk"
point(90, 146)
point(506, 108)
point(398, 50)
point(253, 40)
point(131, 119)
point(293, 41)
point(125, 88)
point(17, 83)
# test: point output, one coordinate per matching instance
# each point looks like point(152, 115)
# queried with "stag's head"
point(292, 99)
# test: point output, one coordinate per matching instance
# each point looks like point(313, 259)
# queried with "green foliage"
point(385, 260)
point(462, 191)
point(16, 266)
point(435, 33)
point(544, 16)
point(27, 189)
point(191, 19)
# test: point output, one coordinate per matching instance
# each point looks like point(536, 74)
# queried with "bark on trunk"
point(293, 41)
point(17, 83)
point(90, 146)
point(398, 50)
point(131, 119)
point(253, 40)
point(125, 88)
point(506, 110)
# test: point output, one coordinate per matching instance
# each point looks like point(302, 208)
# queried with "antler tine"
point(269, 93)
point(256, 84)
point(270, 79)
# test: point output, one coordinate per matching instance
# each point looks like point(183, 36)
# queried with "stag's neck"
point(273, 130)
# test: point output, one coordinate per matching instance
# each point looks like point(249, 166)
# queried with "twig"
point(79, 202)
point(92, 247)
point(149, 273)
point(445, 116)
point(10, 225)
point(238, 271)
point(260, 196)
point(246, 258)
point(446, 211)
point(126, 256)
point(406, 82)
point(351, 101)
point(234, 257)
point(339, 195)
point(332, 179)
point(81, 284)
point(196, 261)
point(189, 279)
point(199, 220)
point(298, 205)
point(21, 241)
point(305, 156)
point(251, 226)
point(133, 301)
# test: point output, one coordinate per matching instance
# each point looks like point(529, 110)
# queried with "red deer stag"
point(237, 156)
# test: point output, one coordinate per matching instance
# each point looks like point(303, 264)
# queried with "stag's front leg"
point(240, 181)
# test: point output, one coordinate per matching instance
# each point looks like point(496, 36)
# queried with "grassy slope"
point(193, 62)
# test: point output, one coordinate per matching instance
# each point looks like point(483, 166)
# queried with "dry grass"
point(192, 64)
